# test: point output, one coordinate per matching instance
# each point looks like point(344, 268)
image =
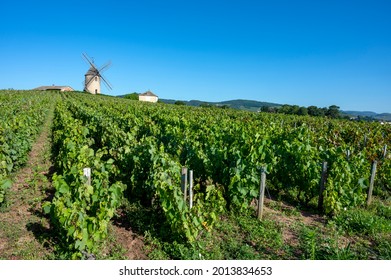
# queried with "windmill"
point(93, 76)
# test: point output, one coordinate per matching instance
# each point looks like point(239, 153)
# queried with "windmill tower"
point(94, 76)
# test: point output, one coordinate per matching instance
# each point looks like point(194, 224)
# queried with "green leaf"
point(64, 188)
point(6, 184)
point(47, 207)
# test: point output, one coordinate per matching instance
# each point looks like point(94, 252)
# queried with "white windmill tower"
point(93, 77)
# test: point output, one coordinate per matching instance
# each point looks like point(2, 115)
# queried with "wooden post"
point(87, 174)
point(322, 185)
point(261, 193)
point(184, 183)
point(385, 151)
point(191, 188)
point(348, 154)
point(371, 182)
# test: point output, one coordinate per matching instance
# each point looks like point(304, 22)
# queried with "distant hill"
point(369, 114)
point(254, 106)
point(360, 113)
point(384, 116)
point(242, 104)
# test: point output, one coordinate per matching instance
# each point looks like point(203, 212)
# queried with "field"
point(133, 204)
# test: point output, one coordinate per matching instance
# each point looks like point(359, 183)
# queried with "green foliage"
point(206, 105)
point(5, 184)
point(228, 147)
point(383, 248)
point(141, 147)
point(298, 165)
point(333, 111)
point(178, 102)
point(21, 117)
point(81, 212)
point(147, 144)
point(383, 178)
point(361, 221)
point(335, 252)
point(309, 242)
point(132, 96)
point(346, 183)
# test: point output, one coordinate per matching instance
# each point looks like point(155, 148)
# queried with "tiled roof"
point(54, 88)
point(148, 93)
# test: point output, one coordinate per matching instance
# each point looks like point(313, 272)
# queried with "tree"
point(285, 109)
point(315, 111)
point(265, 109)
point(294, 110)
point(333, 111)
point(205, 105)
point(303, 111)
point(178, 102)
point(132, 96)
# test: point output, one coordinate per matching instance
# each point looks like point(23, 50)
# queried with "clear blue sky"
point(291, 52)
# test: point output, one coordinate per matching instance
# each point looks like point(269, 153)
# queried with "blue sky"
point(291, 52)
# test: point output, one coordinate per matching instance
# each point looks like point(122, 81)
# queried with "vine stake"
point(87, 174)
point(184, 182)
point(371, 182)
point(322, 185)
point(261, 193)
point(191, 188)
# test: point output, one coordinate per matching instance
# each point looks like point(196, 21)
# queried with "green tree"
point(315, 111)
point(294, 110)
point(265, 109)
point(178, 102)
point(333, 111)
point(205, 105)
point(303, 111)
point(132, 96)
point(285, 109)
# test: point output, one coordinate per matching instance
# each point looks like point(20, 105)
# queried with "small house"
point(55, 88)
point(148, 97)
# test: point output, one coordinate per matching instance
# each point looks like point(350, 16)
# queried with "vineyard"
point(135, 152)
point(21, 116)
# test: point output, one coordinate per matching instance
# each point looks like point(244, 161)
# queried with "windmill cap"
point(92, 72)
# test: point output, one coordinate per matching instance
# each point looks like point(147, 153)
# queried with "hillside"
point(254, 106)
point(242, 104)
point(369, 114)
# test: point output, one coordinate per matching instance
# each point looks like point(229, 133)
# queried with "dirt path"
point(132, 244)
point(290, 218)
point(21, 222)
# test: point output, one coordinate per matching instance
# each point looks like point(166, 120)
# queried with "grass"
point(284, 233)
point(366, 220)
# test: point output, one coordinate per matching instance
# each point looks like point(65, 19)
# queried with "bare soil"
point(131, 243)
point(289, 222)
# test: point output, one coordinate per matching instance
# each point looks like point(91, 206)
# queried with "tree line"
point(332, 111)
